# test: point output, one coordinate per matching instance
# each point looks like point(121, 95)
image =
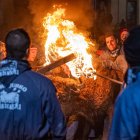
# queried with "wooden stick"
point(108, 78)
point(57, 63)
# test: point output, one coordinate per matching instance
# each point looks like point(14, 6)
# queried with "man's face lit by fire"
point(111, 43)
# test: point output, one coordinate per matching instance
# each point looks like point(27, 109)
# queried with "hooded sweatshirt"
point(29, 108)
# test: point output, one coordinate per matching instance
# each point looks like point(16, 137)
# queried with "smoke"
point(14, 14)
point(79, 11)
point(29, 14)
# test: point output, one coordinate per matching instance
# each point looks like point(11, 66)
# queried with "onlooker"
point(32, 57)
point(103, 20)
point(112, 57)
point(123, 23)
point(29, 109)
point(32, 53)
point(124, 33)
point(126, 124)
point(2, 50)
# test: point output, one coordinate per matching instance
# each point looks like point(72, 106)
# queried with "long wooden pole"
point(57, 63)
point(108, 78)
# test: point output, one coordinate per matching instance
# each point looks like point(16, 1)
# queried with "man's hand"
point(107, 64)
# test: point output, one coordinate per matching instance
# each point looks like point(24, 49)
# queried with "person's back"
point(29, 109)
point(126, 124)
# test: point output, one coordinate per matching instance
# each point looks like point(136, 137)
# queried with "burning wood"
point(67, 59)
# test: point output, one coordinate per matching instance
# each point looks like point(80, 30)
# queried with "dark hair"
point(123, 29)
point(17, 42)
point(132, 47)
point(109, 33)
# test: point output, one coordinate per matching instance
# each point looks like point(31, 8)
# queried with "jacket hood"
point(10, 69)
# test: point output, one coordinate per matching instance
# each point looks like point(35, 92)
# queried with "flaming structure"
point(63, 38)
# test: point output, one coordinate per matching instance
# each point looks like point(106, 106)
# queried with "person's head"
point(132, 47)
point(111, 41)
point(32, 53)
point(2, 50)
point(17, 43)
point(124, 33)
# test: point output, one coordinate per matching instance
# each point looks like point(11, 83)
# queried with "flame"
point(63, 38)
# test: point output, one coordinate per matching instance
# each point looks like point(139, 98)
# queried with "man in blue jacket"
point(29, 108)
point(126, 119)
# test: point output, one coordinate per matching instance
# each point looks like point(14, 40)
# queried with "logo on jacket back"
point(10, 70)
point(10, 100)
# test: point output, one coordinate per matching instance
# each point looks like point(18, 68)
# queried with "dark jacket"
point(126, 119)
point(29, 108)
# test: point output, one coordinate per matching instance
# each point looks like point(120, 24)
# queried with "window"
point(131, 13)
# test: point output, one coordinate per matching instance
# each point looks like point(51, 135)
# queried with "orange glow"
point(63, 38)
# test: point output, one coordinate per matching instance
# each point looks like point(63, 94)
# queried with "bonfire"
point(78, 89)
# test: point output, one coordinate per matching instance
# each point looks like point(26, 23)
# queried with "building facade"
point(127, 10)
point(121, 10)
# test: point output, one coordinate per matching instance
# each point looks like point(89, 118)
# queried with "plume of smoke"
point(79, 11)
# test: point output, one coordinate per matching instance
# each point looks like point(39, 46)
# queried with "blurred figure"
point(103, 20)
point(32, 53)
point(29, 108)
point(124, 33)
point(126, 119)
point(123, 24)
point(2, 50)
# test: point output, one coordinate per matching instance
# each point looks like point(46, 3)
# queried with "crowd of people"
point(123, 55)
point(31, 110)
point(125, 124)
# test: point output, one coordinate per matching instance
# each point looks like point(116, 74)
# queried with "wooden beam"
point(57, 63)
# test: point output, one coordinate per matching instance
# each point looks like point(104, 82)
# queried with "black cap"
point(132, 47)
point(18, 40)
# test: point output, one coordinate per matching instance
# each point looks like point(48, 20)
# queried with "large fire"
point(63, 38)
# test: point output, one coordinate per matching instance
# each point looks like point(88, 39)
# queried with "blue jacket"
point(126, 119)
point(29, 108)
